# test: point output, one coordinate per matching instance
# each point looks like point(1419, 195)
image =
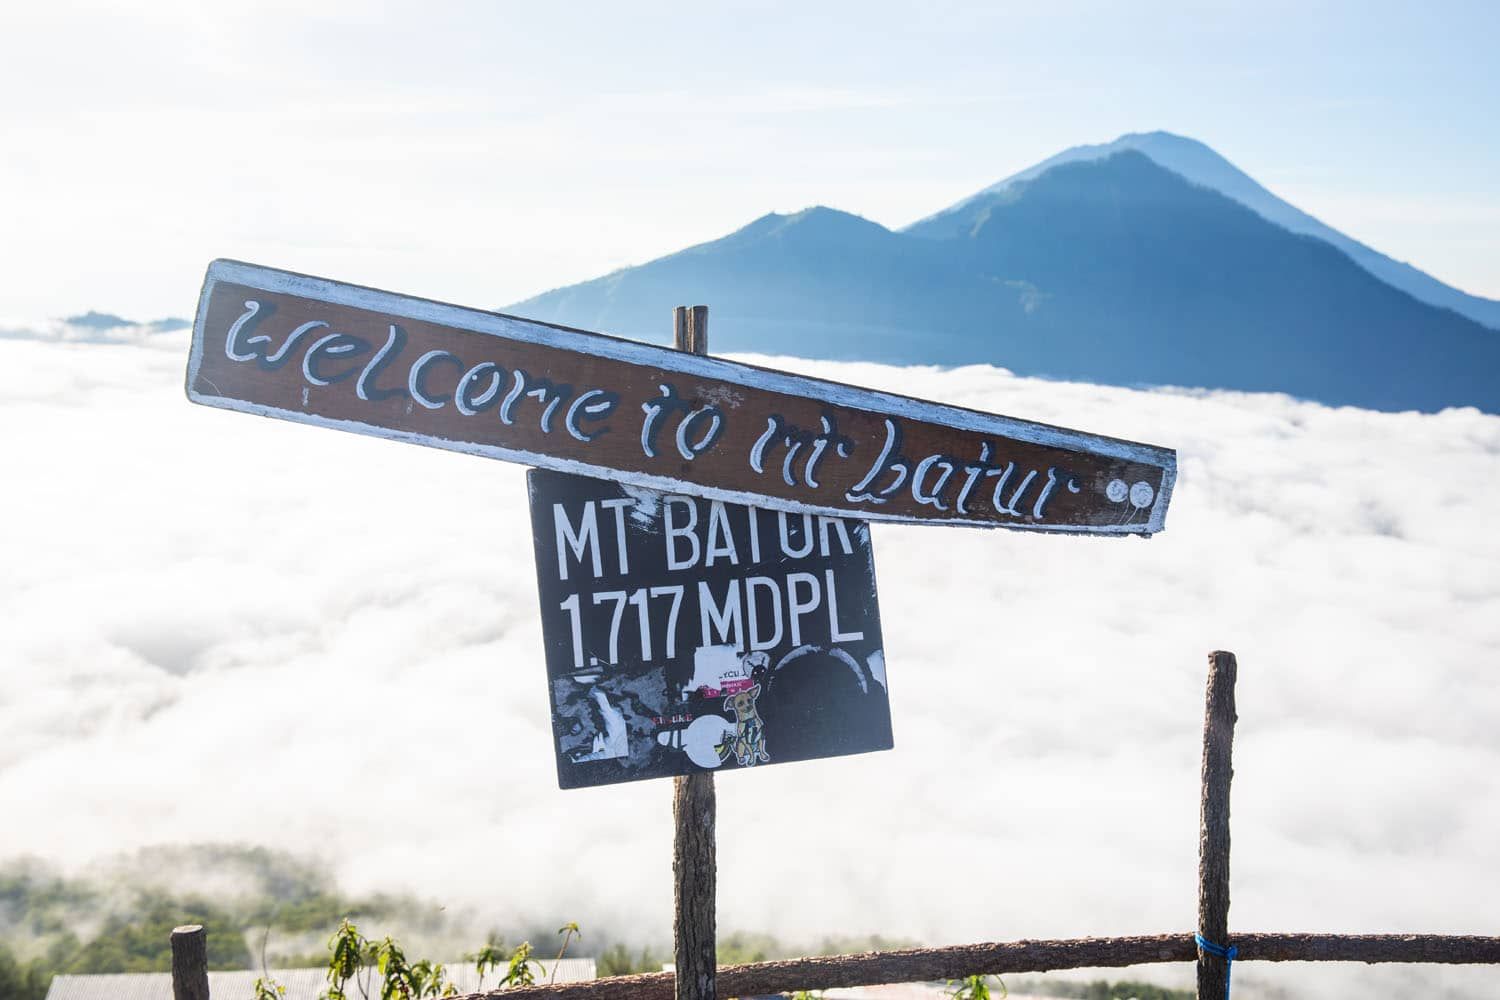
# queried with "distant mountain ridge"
point(93, 320)
point(93, 327)
point(1112, 269)
point(1201, 165)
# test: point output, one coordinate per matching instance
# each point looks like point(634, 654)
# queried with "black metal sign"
point(684, 634)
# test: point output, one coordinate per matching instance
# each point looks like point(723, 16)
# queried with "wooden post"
point(189, 963)
point(1213, 823)
point(690, 329)
point(694, 854)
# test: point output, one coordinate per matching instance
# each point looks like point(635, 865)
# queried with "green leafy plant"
point(519, 973)
point(352, 956)
point(267, 988)
point(569, 931)
point(488, 958)
point(975, 988)
point(349, 954)
point(401, 979)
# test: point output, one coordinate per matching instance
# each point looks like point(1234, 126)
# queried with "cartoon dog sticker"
point(747, 743)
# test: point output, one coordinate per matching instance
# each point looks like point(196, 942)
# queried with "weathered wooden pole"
point(1213, 826)
point(694, 854)
point(189, 963)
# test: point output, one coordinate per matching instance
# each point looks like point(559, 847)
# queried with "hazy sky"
point(482, 152)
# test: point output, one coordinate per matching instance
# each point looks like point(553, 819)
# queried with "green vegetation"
point(617, 960)
point(23, 981)
point(975, 988)
point(120, 918)
point(141, 942)
point(1102, 990)
point(739, 947)
point(352, 957)
point(41, 911)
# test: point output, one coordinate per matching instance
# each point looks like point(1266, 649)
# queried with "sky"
point(484, 152)
point(224, 628)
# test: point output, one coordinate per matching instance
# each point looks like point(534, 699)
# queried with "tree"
point(22, 981)
point(142, 943)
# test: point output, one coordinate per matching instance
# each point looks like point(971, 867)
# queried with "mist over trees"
point(260, 906)
point(118, 917)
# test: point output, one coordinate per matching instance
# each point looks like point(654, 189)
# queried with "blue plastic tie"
point(1228, 954)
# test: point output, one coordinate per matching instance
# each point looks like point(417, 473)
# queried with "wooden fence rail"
point(955, 962)
point(917, 965)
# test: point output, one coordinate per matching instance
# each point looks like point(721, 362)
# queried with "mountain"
point(99, 321)
point(1198, 163)
point(1111, 269)
point(820, 283)
point(93, 328)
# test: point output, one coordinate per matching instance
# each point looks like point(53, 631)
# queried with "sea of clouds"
point(216, 627)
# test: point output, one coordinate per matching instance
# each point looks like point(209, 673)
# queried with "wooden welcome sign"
point(322, 352)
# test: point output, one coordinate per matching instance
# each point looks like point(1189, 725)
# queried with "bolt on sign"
point(684, 634)
point(357, 359)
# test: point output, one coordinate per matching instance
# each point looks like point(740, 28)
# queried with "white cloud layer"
point(222, 628)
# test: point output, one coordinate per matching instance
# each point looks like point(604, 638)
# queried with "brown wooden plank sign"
point(337, 355)
point(685, 634)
